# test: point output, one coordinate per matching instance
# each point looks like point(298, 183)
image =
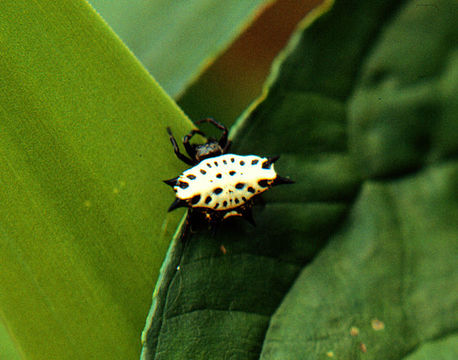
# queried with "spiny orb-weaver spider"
point(219, 185)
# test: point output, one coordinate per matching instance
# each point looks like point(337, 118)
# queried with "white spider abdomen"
point(225, 182)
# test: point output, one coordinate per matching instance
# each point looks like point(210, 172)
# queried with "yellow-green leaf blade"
point(83, 148)
point(8, 348)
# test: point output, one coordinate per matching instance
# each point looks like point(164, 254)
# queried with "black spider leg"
point(258, 200)
point(179, 155)
point(223, 141)
point(213, 225)
point(227, 147)
point(247, 214)
point(189, 149)
point(191, 224)
point(187, 228)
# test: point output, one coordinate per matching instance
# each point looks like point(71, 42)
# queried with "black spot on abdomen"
point(218, 191)
point(263, 183)
point(232, 172)
point(183, 184)
point(195, 199)
point(208, 200)
point(219, 176)
point(251, 190)
point(240, 186)
point(254, 162)
point(191, 176)
point(202, 171)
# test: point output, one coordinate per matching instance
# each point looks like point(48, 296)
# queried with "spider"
point(219, 185)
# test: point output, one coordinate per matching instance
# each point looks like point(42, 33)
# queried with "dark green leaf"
point(373, 153)
point(390, 264)
point(394, 258)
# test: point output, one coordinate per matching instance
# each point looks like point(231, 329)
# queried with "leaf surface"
point(8, 348)
point(381, 287)
point(175, 40)
point(362, 110)
point(442, 349)
point(83, 150)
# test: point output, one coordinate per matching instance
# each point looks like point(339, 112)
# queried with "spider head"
point(210, 149)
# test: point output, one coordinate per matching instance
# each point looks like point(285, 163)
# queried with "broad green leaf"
point(387, 273)
point(175, 40)
point(369, 224)
point(83, 151)
point(393, 261)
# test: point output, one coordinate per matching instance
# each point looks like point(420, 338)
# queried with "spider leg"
point(247, 214)
point(227, 147)
point(187, 145)
point(179, 155)
point(223, 142)
point(258, 200)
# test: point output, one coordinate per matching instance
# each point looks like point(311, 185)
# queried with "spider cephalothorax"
point(220, 185)
point(198, 152)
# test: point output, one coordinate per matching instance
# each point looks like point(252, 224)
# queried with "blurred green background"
point(235, 79)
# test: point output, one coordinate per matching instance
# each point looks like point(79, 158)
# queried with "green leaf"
point(362, 110)
point(175, 40)
point(393, 260)
point(83, 150)
point(391, 264)
point(8, 348)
